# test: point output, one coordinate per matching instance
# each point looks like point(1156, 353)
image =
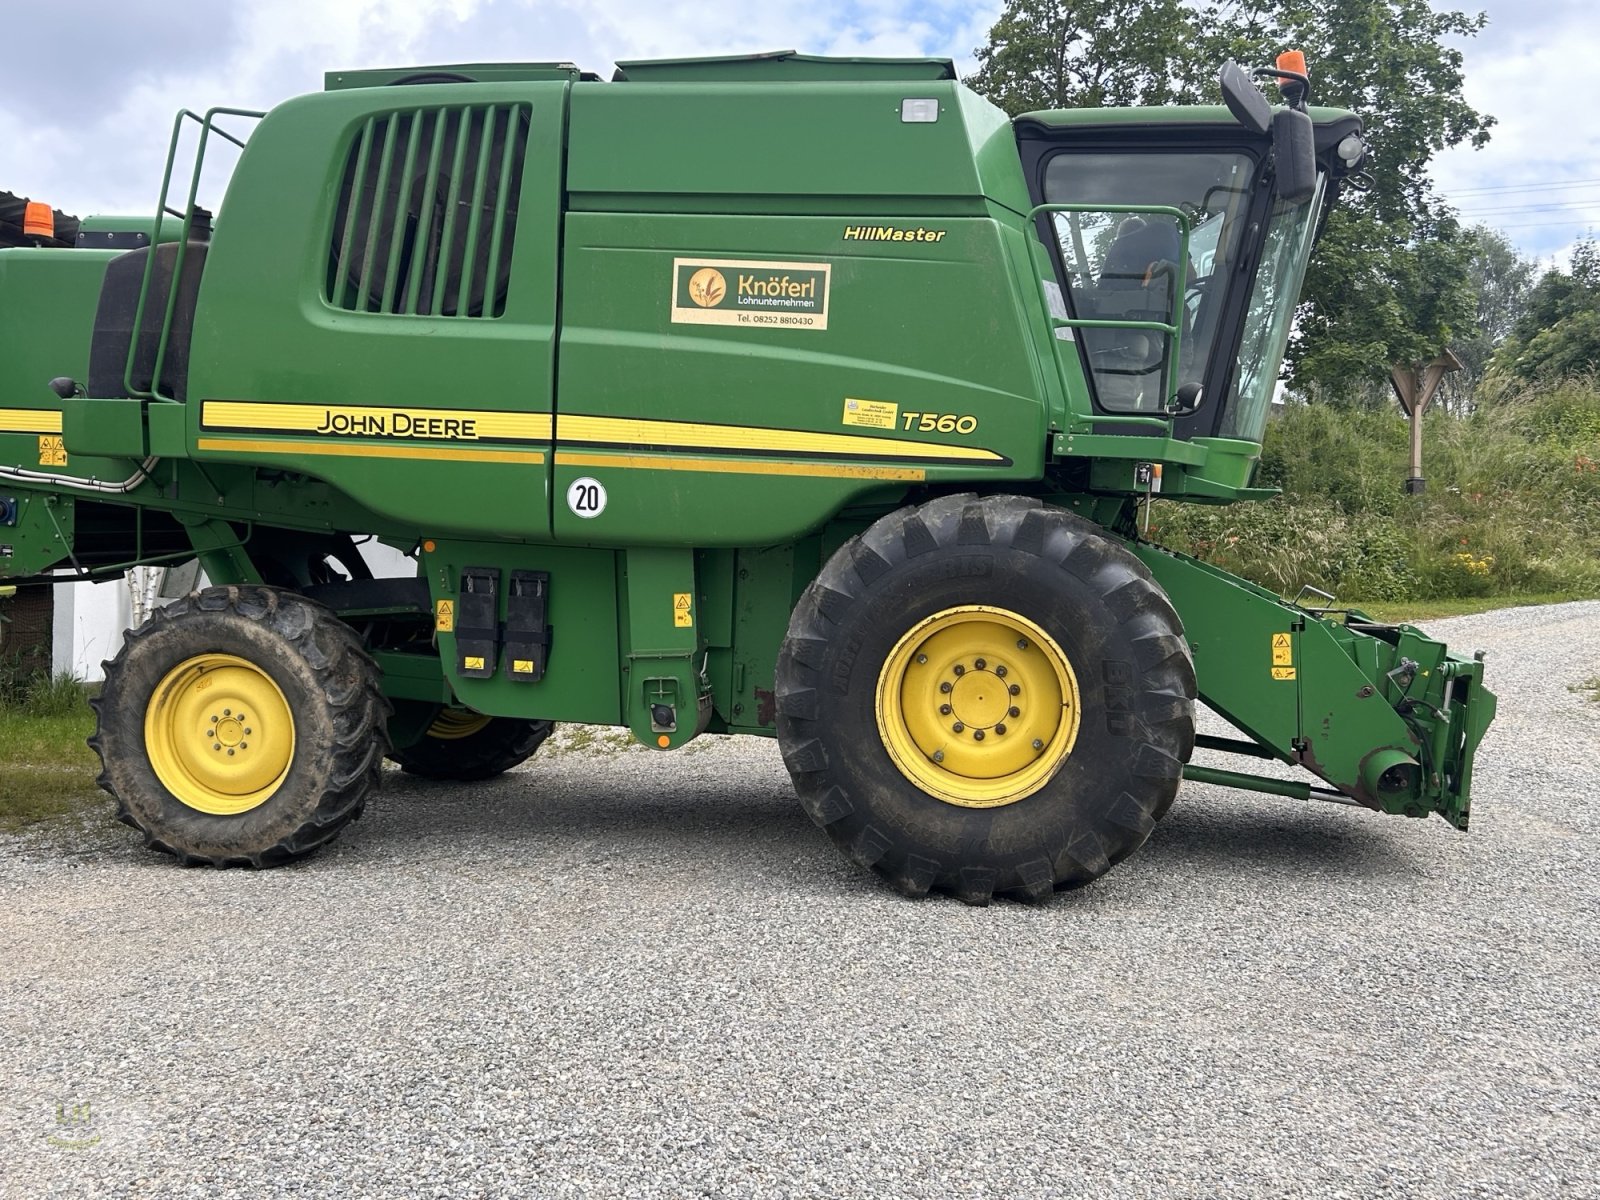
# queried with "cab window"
point(1124, 266)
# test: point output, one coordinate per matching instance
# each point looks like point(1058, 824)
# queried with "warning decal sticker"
point(1282, 656)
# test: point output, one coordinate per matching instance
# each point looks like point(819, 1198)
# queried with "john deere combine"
point(811, 398)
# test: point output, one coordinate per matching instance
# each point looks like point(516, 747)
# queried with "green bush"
point(40, 694)
point(1512, 506)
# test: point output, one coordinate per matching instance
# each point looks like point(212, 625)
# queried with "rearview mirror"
point(1187, 401)
point(1294, 149)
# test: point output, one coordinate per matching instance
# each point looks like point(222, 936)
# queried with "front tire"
point(241, 726)
point(985, 696)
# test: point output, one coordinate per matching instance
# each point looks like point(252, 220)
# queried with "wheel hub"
point(978, 706)
point(979, 699)
point(219, 734)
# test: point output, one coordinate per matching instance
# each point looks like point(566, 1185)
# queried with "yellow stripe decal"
point(407, 450)
point(343, 420)
point(409, 427)
point(631, 432)
point(735, 466)
point(29, 420)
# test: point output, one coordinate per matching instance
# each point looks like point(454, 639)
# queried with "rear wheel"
point(468, 746)
point(240, 725)
point(984, 696)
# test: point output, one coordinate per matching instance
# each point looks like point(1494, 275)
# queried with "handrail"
point(207, 125)
point(1173, 331)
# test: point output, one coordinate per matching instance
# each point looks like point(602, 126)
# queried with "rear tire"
point(1025, 620)
point(241, 726)
point(467, 747)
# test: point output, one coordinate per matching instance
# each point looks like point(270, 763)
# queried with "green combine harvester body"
point(689, 393)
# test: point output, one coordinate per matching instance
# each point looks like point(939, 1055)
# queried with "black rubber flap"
point(527, 631)
point(477, 622)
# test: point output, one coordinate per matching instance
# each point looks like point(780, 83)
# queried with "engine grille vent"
point(427, 212)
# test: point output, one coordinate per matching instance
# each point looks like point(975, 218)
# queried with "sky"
point(88, 130)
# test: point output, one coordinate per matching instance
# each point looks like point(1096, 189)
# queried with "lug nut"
point(1013, 711)
point(958, 727)
point(230, 753)
point(1000, 728)
point(938, 756)
point(1022, 643)
point(980, 664)
point(1014, 690)
point(218, 746)
point(944, 710)
point(1037, 744)
point(960, 670)
point(227, 712)
point(249, 731)
point(244, 745)
point(977, 735)
point(944, 687)
point(922, 659)
point(1000, 671)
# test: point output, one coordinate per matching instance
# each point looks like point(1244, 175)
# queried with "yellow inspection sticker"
point(682, 616)
point(871, 414)
point(444, 616)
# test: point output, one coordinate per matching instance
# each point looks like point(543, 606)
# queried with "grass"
point(46, 770)
point(1591, 686)
point(1512, 506)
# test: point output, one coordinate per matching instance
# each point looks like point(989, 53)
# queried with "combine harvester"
point(811, 398)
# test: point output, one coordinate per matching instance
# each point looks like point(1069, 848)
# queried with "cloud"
point(92, 137)
point(1522, 70)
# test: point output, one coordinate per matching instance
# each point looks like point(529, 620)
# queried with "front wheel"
point(985, 696)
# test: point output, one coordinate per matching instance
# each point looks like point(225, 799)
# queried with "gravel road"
point(611, 973)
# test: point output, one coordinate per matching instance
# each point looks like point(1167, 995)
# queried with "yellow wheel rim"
point(451, 725)
point(219, 734)
point(978, 706)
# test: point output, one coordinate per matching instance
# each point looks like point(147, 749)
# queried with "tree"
point(1380, 303)
point(1502, 282)
point(1559, 332)
point(1390, 282)
point(1045, 54)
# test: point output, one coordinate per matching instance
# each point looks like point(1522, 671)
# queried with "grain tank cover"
point(338, 81)
point(777, 66)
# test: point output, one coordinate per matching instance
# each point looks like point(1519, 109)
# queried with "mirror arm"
point(1296, 88)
